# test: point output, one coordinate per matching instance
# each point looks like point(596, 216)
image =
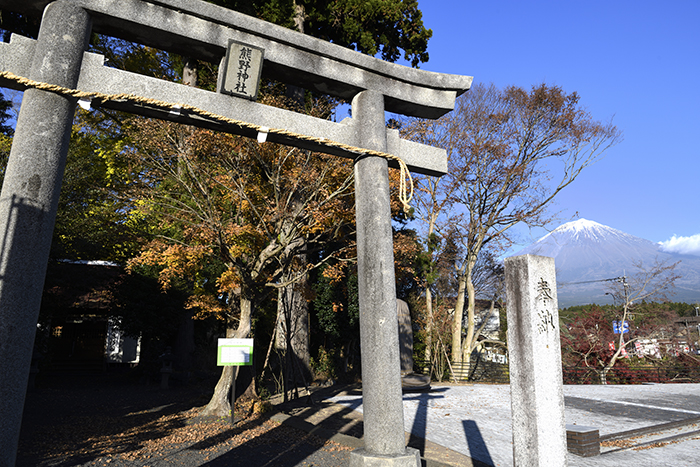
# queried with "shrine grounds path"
point(107, 421)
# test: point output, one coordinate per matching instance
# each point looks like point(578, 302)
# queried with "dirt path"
point(98, 423)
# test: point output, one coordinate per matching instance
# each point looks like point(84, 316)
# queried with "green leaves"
point(94, 221)
point(374, 27)
point(336, 307)
point(384, 27)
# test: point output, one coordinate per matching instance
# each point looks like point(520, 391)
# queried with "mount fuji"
point(586, 251)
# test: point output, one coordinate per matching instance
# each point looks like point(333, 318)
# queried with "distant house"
point(489, 346)
point(491, 320)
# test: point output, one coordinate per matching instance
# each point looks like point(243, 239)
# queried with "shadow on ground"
point(105, 420)
point(81, 419)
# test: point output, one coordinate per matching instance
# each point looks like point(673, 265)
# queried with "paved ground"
point(475, 420)
point(462, 425)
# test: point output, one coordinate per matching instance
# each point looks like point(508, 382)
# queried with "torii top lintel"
point(202, 30)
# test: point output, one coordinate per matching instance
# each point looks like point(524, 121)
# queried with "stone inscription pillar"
point(28, 204)
point(537, 398)
point(385, 442)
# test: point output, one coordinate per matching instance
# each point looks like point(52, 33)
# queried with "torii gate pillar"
point(196, 28)
point(30, 199)
point(379, 338)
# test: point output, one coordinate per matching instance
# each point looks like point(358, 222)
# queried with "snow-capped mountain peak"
point(585, 229)
point(584, 250)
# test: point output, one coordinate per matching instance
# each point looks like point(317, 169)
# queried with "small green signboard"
point(235, 352)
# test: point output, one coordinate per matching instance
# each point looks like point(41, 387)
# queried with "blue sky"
point(637, 62)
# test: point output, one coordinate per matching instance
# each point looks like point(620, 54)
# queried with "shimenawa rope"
point(406, 181)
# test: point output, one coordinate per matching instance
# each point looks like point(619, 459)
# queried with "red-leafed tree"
point(589, 339)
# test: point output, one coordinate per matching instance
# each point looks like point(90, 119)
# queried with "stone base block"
point(583, 441)
point(362, 458)
point(415, 383)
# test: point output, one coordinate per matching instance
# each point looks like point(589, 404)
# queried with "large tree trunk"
point(293, 330)
point(428, 324)
point(246, 376)
point(185, 347)
point(293, 335)
point(457, 328)
point(429, 298)
point(189, 72)
point(219, 405)
point(469, 340)
point(296, 93)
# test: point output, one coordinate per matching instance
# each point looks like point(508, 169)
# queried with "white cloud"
point(684, 245)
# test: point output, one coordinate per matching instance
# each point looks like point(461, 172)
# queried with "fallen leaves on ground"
point(152, 434)
point(617, 443)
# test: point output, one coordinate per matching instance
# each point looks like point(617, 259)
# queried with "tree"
point(590, 337)
point(504, 148)
point(94, 219)
point(652, 283)
point(13, 22)
point(337, 316)
point(245, 206)
point(376, 27)
point(384, 27)
point(432, 200)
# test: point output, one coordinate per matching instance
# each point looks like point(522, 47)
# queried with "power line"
point(618, 279)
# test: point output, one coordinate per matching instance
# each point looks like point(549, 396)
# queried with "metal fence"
point(491, 372)
point(633, 375)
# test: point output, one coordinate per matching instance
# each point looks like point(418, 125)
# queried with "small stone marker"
point(537, 397)
point(409, 380)
point(166, 368)
point(405, 337)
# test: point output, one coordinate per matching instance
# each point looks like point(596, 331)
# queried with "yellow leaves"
point(177, 261)
point(5, 143)
point(242, 240)
point(229, 281)
point(234, 203)
point(109, 152)
point(334, 272)
point(206, 306)
point(406, 249)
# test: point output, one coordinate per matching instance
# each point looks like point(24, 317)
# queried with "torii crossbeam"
point(29, 197)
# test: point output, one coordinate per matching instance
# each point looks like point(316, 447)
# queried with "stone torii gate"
point(29, 197)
